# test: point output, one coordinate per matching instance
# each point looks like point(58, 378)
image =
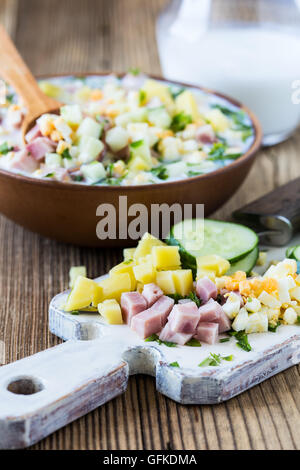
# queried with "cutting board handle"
point(44, 392)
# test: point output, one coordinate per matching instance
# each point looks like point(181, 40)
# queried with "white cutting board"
point(94, 364)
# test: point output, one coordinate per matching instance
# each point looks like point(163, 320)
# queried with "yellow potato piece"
point(128, 253)
point(114, 286)
point(218, 120)
point(146, 244)
point(183, 280)
point(205, 273)
point(166, 257)
point(144, 273)
point(214, 263)
point(186, 102)
point(111, 311)
point(153, 89)
point(137, 164)
point(85, 292)
point(125, 267)
point(74, 273)
point(165, 280)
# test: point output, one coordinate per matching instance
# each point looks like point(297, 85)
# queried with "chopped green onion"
point(4, 148)
point(180, 121)
point(174, 364)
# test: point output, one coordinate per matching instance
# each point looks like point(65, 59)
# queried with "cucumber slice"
point(245, 264)
point(231, 241)
point(293, 252)
point(296, 253)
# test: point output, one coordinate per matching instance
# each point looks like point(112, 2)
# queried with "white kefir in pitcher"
point(257, 64)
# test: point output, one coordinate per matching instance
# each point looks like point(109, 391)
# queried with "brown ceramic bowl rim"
point(79, 187)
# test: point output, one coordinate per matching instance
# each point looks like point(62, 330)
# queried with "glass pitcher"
point(248, 49)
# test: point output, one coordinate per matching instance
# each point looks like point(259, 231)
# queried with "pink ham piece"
point(207, 332)
point(132, 303)
point(206, 289)
point(184, 318)
point(179, 338)
point(39, 147)
point(23, 162)
point(33, 134)
point(212, 312)
point(151, 293)
point(153, 319)
point(205, 134)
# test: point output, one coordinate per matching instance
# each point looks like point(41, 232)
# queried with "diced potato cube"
point(206, 273)
point(165, 280)
point(71, 114)
point(213, 263)
point(253, 305)
point(50, 89)
point(290, 316)
point(117, 138)
point(111, 311)
point(269, 300)
point(257, 323)
point(144, 272)
point(74, 273)
point(89, 148)
point(128, 253)
point(137, 164)
point(218, 120)
point(295, 293)
point(186, 102)
point(241, 320)
point(93, 171)
point(125, 267)
point(154, 89)
point(115, 285)
point(146, 244)
point(166, 257)
point(183, 280)
point(89, 127)
point(85, 292)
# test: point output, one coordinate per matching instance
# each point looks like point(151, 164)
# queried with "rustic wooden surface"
point(71, 35)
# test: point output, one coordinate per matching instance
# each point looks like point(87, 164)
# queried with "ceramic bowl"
point(67, 211)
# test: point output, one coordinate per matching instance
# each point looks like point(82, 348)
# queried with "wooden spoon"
point(15, 72)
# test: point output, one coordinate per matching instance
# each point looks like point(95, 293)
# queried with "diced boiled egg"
point(290, 316)
point(253, 305)
point(257, 323)
point(241, 320)
point(232, 305)
point(269, 300)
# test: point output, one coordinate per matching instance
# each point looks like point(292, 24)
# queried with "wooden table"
point(95, 35)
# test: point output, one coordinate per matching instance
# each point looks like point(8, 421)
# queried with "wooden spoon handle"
point(14, 71)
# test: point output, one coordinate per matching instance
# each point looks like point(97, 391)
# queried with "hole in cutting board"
point(25, 386)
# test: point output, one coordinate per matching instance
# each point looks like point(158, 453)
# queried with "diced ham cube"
point(184, 318)
point(212, 312)
point(205, 134)
point(206, 289)
point(23, 162)
point(39, 147)
point(132, 303)
point(33, 134)
point(152, 293)
point(153, 319)
point(207, 332)
point(179, 338)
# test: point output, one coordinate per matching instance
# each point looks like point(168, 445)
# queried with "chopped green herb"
point(194, 343)
point(111, 181)
point(134, 71)
point(174, 364)
point(176, 91)
point(50, 175)
point(249, 299)
point(180, 121)
point(214, 360)
point(4, 148)
point(78, 178)
point(273, 328)
point(191, 296)
point(137, 144)
point(9, 98)
point(142, 96)
point(155, 337)
point(298, 320)
point(238, 118)
point(228, 358)
point(66, 154)
point(128, 261)
point(224, 340)
point(194, 173)
point(242, 340)
point(217, 151)
point(160, 172)
point(194, 298)
point(75, 312)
